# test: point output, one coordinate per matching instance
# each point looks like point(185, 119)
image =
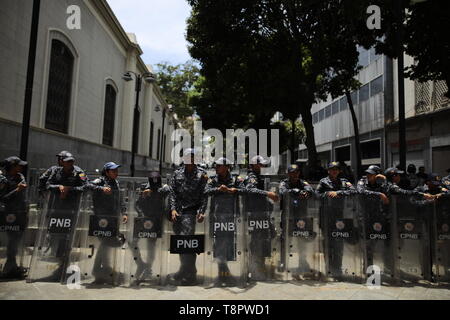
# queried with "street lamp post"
point(149, 78)
point(161, 144)
point(29, 80)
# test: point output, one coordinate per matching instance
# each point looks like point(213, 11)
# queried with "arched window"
point(159, 144)
point(150, 151)
point(109, 117)
point(59, 87)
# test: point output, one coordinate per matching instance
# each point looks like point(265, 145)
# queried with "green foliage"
point(176, 83)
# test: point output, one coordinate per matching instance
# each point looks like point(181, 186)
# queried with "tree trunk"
point(357, 143)
point(293, 157)
point(310, 140)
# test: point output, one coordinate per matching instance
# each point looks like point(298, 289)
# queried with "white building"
point(376, 107)
point(80, 102)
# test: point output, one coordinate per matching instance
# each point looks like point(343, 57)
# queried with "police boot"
point(190, 280)
point(17, 273)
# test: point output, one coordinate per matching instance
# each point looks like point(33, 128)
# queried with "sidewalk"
point(308, 290)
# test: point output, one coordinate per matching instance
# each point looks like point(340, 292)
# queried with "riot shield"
point(304, 259)
point(263, 229)
point(342, 235)
point(14, 258)
point(225, 243)
point(377, 237)
point(412, 238)
point(98, 248)
point(54, 237)
point(441, 240)
point(183, 250)
point(144, 256)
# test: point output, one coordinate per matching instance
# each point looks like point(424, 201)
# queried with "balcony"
point(429, 96)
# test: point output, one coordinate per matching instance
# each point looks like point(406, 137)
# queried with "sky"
point(159, 25)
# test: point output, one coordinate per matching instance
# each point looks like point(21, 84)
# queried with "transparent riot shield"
point(14, 258)
point(304, 259)
point(183, 250)
point(98, 249)
point(144, 255)
point(263, 229)
point(378, 247)
point(54, 237)
point(441, 240)
point(342, 235)
point(225, 242)
point(412, 238)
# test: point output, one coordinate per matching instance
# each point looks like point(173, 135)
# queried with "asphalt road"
point(309, 290)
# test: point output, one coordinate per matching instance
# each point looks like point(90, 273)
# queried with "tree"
point(425, 36)
point(176, 82)
point(262, 56)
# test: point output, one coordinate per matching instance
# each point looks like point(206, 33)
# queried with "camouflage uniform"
point(375, 211)
point(43, 178)
point(224, 208)
point(425, 212)
point(333, 209)
point(257, 207)
point(152, 207)
point(77, 179)
point(187, 197)
point(298, 208)
point(446, 182)
point(106, 205)
point(13, 204)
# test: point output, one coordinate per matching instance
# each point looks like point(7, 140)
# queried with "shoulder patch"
point(306, 182)
point(348, 184)
point(97, 181)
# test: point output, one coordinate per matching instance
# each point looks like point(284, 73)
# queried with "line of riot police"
point(222, 230)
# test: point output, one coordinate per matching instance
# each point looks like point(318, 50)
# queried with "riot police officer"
point(294, 184)
point(66, 184)
point(223, 189)
point(107, 201)
point(412, 176)
point(257, 207)
point(333, 186)
point(42, 184)
point(446, 180)
point(187, 204)
point(393, 177)
point(335, 189)
point(300, 191)
point(150, 204)
point(374, 208)
point(434, 187)
point(13, 209)
point(373, 184)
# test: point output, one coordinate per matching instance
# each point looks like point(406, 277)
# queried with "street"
point(306, 290)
